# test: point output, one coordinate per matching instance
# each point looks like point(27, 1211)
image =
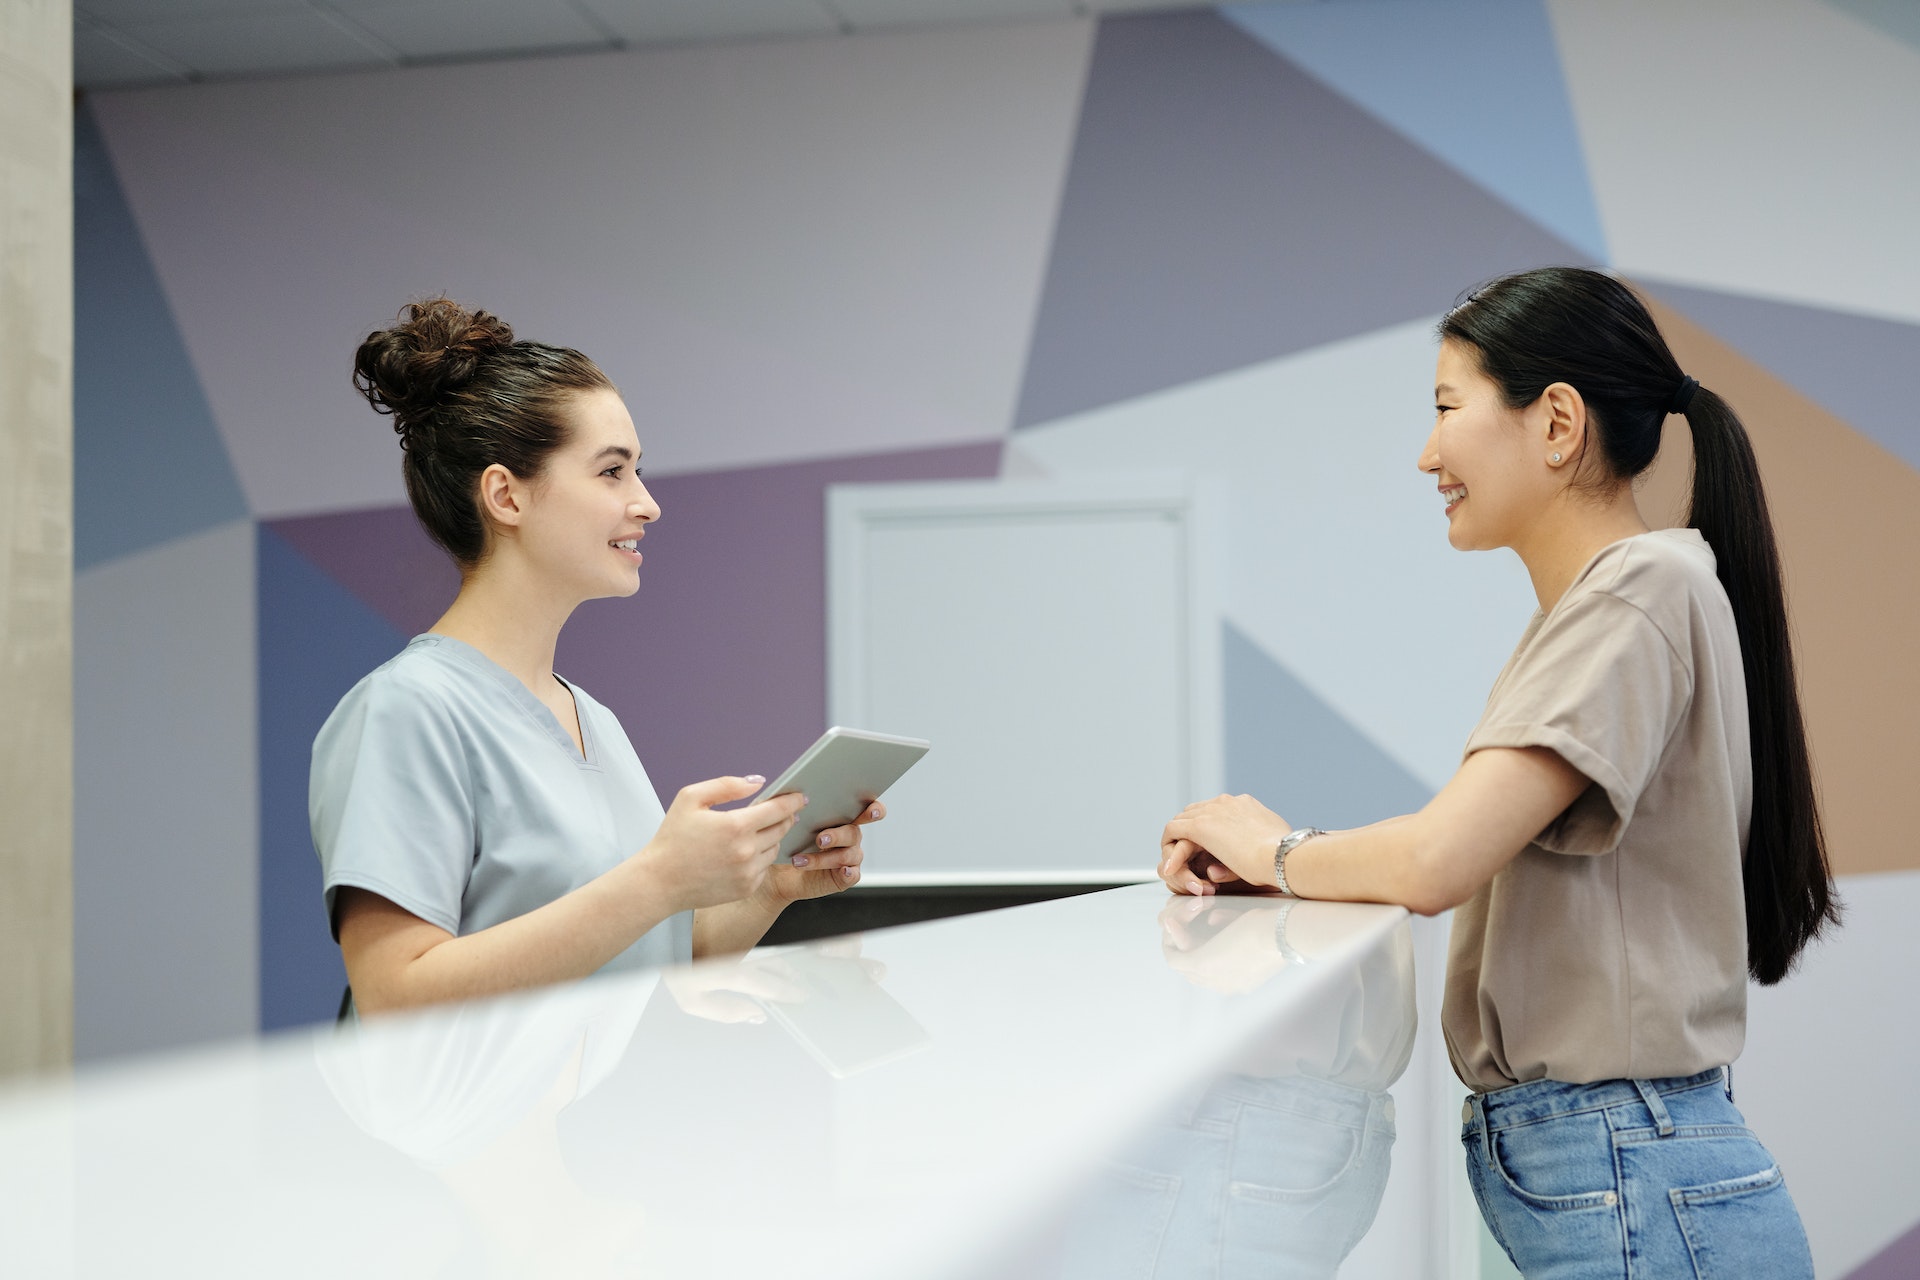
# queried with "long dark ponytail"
point(1586, 329)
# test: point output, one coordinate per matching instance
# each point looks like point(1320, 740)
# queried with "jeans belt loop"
point(1728, 1072)
point(1479, 1104)
point(1662, 1121)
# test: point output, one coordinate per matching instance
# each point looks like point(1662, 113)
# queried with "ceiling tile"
point(664, 21)
point(244, 44)
point(881, 13)
point(128, 11)
point(100, 61)
point(1151, 6)
point(461, 28)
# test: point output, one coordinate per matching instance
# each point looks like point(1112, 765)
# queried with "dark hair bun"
point(464, 396)
point(433, 351)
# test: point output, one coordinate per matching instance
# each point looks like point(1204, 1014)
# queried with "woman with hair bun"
point(482, 824)
point(1633, 830)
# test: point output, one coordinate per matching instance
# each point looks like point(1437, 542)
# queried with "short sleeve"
point(390, 800)
point(1599, 685)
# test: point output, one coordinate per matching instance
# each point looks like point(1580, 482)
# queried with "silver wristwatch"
point(1280, 942)
point(1288, 843)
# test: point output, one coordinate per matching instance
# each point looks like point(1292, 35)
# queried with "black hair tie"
point(1683, 397)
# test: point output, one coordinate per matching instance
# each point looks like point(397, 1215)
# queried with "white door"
point(1056, 643)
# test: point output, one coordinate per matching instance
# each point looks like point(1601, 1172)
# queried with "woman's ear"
point(502, 497)
point(1566, 425)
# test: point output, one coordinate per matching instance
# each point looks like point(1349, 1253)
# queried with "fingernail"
point(754, 777)
point(848, 872)
point(801, 859)
point(874, 812)
point(803, 800)
point(823, 839)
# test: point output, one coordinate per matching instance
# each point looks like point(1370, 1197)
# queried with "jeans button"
point(1610, 1198)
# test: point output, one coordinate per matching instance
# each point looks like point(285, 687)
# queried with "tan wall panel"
point(1847, 516)
point(36, 534)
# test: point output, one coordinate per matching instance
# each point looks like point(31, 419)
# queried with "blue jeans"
point(1270, 1178)
point(1631, 1179)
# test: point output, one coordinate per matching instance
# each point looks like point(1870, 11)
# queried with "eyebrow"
point(618, 450)
point(1442, 389)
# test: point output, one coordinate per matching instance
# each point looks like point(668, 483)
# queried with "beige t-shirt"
point(1615, 945)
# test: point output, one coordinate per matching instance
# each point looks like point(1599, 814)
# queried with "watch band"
point(1280, 943)
point(1288, 843)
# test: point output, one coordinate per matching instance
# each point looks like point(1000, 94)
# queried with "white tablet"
point(841, 774)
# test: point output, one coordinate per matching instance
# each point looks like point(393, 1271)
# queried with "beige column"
point(36, 535)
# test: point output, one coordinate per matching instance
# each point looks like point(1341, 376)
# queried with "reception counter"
point(1118, 1084)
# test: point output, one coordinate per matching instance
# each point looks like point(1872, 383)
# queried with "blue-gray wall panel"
point(148, 464)
point(1224, 207)
point(1860, 367)
point(316, 640)
point(1289, 749)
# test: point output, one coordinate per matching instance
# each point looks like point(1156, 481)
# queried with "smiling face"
point(1487, 458)
point(584, 517)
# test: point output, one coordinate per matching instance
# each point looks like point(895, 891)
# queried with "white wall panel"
point(166, 804)
point(779, 251)
point(1827, 1076)
point(1760, 146)
point(1335, 548)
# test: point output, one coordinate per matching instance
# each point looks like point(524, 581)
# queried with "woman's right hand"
point(701, 857)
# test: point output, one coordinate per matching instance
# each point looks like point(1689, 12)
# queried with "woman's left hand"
point(832, 864)
point(1221, 845)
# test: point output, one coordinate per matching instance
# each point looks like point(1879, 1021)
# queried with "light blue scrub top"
point(444, 785)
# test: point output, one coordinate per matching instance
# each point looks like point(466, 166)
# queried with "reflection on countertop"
point(475, 1094)
point(1277, 1168)
point(914, 1102)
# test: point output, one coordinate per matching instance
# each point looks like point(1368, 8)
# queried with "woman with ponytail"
point(1632, 832)
point(483, 824)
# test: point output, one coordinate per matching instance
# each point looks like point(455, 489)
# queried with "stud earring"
point(1556, 457)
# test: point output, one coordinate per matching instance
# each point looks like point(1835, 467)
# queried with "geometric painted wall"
point(1211, 241)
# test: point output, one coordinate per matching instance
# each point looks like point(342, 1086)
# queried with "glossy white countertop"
point(1020, 1092)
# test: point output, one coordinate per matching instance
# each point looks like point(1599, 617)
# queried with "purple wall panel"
point(1401, 58)
point(719, 664)
point(1898, 1261)
point(381, 555)
point(1224, 208)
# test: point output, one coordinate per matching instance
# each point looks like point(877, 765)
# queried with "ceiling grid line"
point(148, 43)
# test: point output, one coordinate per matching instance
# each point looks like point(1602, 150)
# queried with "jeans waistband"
point(1539, 1099)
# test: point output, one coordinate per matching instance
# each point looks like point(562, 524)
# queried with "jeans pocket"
point(1565, 1163)
point(1743, 1228)
point(1120, 1233)
point(1280, 1155)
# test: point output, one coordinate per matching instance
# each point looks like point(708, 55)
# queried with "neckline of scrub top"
point(524, 698)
